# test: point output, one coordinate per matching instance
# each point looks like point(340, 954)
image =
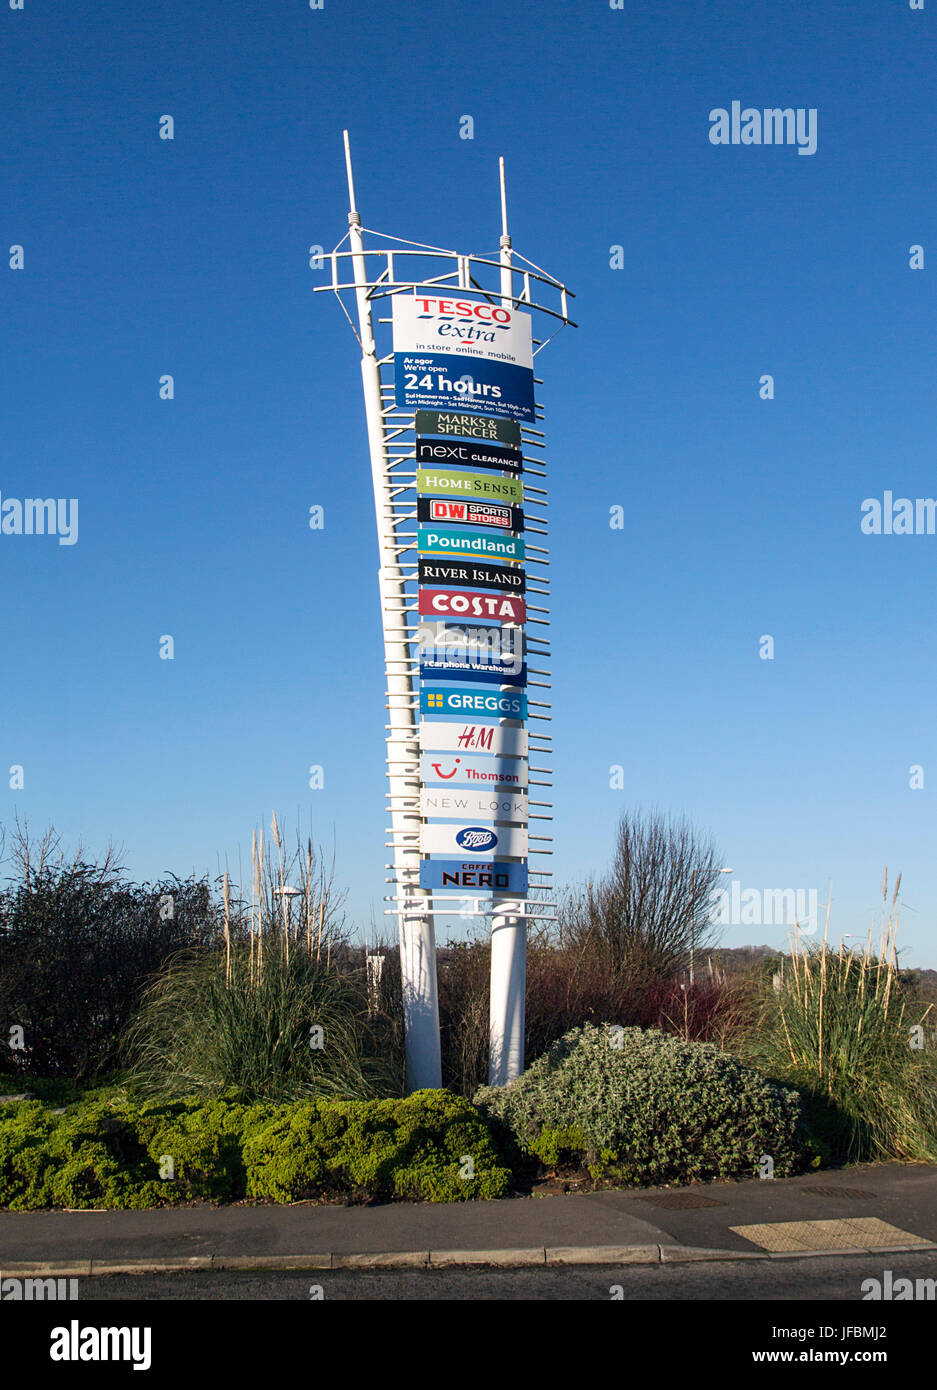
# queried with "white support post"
point(508, 998)
point(416, 932)
point(508, 984)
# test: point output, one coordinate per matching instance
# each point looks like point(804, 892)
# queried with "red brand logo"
point(476, 736)
point(447, 511)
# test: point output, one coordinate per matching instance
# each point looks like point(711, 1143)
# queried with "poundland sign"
point(444, 540)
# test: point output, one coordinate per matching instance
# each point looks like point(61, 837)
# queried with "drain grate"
point(681, 1201)
point(849, 1194)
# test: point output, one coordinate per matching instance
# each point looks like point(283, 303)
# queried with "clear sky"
point(741, 515)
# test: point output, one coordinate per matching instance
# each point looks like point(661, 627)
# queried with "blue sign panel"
point(480, 704)
point(494, 877)
point(449, 381)
point(438, 664)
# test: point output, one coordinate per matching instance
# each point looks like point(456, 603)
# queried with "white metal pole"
point(416, 931)
point(508, 985)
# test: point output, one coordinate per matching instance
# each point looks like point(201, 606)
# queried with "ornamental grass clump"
point(842, 1026)
point(295, 1028)
point(278, 1012)
point(641, 1107)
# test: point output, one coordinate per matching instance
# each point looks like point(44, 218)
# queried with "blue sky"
point(741, 515)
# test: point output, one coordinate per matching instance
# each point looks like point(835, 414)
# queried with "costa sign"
point(436, 482)
point(447, 540)
point(444, 803)
point(472, 738)
point(452, 603)
point(457, 422)
point(445, 455)
point(472, 575)
point(480, 704)
point(464, 875)
point(471, 841)
point(471, 513)
point(464, 770)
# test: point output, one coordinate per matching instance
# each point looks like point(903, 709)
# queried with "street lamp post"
point(286, 894)
point(693, 920)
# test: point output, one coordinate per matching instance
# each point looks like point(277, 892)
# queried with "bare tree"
point(652, 906)
point(31, 857)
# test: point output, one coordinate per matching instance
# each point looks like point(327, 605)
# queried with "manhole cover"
point(851, 1194)
point(680, 1201)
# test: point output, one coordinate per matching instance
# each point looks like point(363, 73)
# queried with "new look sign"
point(442, 803)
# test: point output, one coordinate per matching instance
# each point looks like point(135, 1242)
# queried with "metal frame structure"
point(380, 268)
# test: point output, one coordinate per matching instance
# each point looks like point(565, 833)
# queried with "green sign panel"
point(445, 482)
point(441, 422)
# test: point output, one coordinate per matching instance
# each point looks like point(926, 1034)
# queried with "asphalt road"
point(827, 1278)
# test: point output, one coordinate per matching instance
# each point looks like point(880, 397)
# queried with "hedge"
point(642, 1107)
point(431, 1146)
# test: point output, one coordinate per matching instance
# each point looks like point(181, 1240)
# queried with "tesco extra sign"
point(427, 325)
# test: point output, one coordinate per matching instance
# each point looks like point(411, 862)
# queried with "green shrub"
point(643, 1107)
point(77, 946)
point(203, 1141)
point(110, 1153)
point(25, 1132)
point(432, 1146)
point(89, 1157)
